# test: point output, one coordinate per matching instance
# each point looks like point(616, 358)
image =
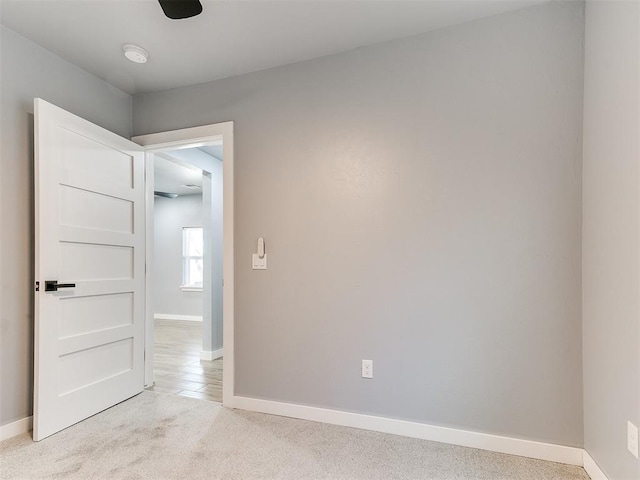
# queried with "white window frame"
point(186, 258)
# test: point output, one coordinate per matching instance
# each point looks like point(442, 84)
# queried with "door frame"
point(189, 138)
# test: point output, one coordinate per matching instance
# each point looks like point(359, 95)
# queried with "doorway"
point(217, 334)
point(187, 272)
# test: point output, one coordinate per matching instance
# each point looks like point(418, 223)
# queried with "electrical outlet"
point(367, 368)
point(632, 439)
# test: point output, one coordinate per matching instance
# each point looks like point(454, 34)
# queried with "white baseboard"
point(170, 316)
point(592, 468)
point(16, 428)
point(209, 355)
point(465, 438)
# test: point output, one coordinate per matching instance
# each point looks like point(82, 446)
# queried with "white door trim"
point(189, 138)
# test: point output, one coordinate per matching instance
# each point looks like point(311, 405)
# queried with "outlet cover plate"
point(367, 368)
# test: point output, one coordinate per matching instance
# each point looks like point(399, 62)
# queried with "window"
point(192, 264)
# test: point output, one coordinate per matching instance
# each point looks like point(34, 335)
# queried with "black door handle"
point(53, 285)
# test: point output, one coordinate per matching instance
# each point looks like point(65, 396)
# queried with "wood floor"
point(177, 367)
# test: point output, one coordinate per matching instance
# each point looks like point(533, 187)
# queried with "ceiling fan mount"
point(179, 9)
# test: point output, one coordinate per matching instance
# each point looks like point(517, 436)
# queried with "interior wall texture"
point(611, 234)
point(420, 201)
point(30, 71)
point(170, 216)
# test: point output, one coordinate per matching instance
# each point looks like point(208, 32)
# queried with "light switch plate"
point(259, 263)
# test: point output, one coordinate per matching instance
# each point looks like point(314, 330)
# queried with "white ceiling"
point(171, 175)
point(229, 38)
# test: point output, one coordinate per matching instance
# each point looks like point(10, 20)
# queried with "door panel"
point(92, 261)
point(94, 159)
point(93, 210)
point(106, 311)
point(90, 227)
point(82, 368)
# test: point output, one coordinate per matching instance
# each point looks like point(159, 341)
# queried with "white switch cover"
point(259, 263)
point(632, 439)
point(367, 368)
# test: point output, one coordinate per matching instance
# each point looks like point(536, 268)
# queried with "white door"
point(90, 238)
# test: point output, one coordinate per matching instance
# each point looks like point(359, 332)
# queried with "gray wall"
point(170, 216)
point(611, 234)
point(421, 204)
point(29, 71)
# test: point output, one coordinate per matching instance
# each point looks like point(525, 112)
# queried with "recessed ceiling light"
point(135, 53)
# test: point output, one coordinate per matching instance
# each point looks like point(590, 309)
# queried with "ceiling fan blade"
point(177, 9)
point(165, 194)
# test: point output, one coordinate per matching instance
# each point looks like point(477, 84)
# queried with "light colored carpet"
point(157, 436)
